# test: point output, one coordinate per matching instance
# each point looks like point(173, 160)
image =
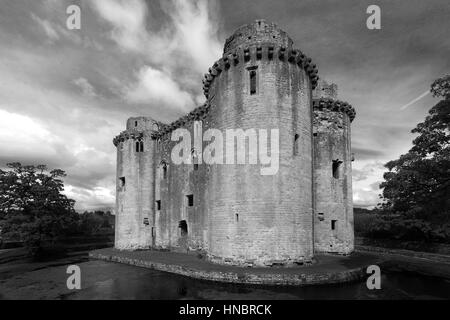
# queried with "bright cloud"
point(160, 88)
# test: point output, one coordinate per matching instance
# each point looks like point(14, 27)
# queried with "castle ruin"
point(231, 213)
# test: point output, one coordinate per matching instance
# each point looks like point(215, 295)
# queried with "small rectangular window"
point(333, 224)
point(252, 81)
point(321, 216)
point(237, 217)
point(296, 142)
point(146, 222)
point(122, 183)
point(164, 169)
point(158, 205)
point(336, 169)
point(190, 200)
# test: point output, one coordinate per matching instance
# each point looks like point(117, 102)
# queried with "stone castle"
point(232, 214)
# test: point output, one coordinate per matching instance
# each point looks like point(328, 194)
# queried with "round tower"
point(333, 221)
point(262, 83)
point(135, 184)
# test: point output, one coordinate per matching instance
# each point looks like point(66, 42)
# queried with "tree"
point(33, 208)
point(419, 181)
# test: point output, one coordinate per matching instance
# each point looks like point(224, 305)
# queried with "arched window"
point(139, 146)
point(194, 158)
point(163, 168)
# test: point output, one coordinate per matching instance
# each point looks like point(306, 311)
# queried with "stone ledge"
point(329, 269)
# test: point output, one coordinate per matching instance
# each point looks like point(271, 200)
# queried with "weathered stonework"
point(231, 213)
point(333, 220)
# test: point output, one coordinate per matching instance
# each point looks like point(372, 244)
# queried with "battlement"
point(334, 105)
point(130, 134)
point(257, 33)
point(195, 115)
point(266, 52)
point(142, 124)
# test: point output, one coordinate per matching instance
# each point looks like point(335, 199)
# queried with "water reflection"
point(116, 281)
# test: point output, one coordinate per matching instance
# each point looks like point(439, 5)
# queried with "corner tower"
point(262, 82)
point(135, 184)
point(333, 221)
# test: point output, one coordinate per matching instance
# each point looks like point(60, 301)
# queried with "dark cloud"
point(367, 154)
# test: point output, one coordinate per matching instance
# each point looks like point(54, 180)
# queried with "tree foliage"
point(418, 183)
point(33, 208)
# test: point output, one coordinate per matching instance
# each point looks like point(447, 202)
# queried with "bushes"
point(365, 222)
point(404, 227)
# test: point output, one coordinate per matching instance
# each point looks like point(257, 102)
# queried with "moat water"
point(106, 280)
point(116, 281)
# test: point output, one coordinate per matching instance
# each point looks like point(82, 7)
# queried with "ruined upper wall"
point(142, 123)
point(325, 90)
point(334, 106)
point(258, 33)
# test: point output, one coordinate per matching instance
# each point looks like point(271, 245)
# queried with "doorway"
point(183, 240)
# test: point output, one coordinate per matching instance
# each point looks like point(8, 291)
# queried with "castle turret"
point(135, 184)
point(333, 221)
point(262, 83)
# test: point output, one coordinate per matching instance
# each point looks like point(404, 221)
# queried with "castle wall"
point(333, 220)
point(181, 181)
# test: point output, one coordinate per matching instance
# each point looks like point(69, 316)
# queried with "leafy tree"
point(33, 208)
point(418, 183)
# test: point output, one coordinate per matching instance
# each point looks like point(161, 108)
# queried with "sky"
point(64, 94)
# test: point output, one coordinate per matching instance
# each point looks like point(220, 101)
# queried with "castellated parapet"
point(230, 212)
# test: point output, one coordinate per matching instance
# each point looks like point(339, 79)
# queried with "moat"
point(107, 280)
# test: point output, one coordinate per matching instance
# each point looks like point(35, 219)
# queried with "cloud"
point(364, 154)
point(157, 87)
point(27, 140)
point(46, 26)
point(86, 88)
point(179, 52)
point(195, 32)
point(128, 20)
point(91, 199)
point(366, 180)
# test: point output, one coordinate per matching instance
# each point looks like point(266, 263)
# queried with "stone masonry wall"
point(333, 220)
